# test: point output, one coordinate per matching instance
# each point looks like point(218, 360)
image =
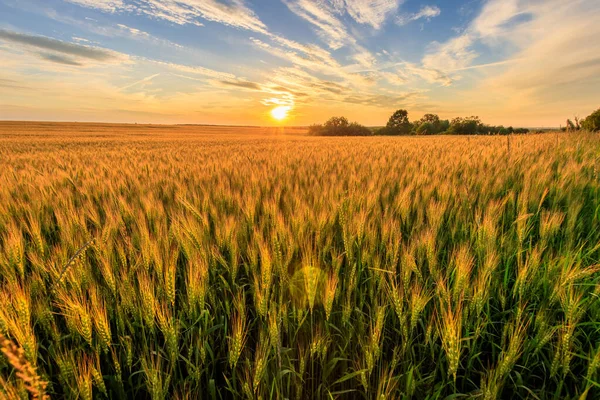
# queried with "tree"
point(592, 122)
point(444, 125)
point(426, 128)
point(466, 126)
point(431, 118)
point(398, 124)
point(339, 126)
point(429, 124)
point(337, 123)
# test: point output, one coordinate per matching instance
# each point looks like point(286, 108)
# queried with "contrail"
point(494, 64)
point(146, 79)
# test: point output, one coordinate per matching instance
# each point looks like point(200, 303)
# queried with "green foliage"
point(339, 126)
point(398, 124)
point(592, 122)
point(426, 128)
point(465, 126)
point(431, 124)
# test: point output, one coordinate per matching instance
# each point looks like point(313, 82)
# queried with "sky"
point(529, 63)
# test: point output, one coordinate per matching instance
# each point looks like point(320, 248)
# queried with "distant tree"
point(315, 130)
point(356, 129)
point(426, 128)
point(444, 126)
point(337, 123)
point(592, 122)
point(339, 126)
point(429, 124)
point(466, 126)
point(431, 118)
point(398, 119)
point(398, 124)
point(570, 125)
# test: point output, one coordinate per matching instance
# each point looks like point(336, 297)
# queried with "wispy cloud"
point(491, 26)
point(12, 84)
point(564, 59)
point(104, 5)
point(45, 43)
point(241, 84)
point(233, 13)
point(370, 12)
point(133, 31)
point(60, 59)
point(454, 54)
point(322, 16)
point(141, 81)
point(426, 12)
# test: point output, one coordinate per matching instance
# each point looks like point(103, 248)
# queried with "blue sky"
point(512, 62)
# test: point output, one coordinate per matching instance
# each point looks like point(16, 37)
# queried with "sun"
point(281, 112)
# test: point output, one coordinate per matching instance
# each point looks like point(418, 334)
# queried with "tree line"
point(431, 124)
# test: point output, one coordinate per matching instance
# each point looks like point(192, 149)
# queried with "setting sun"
point(281, 112)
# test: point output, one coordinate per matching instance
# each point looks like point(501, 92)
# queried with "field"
point(204, 262)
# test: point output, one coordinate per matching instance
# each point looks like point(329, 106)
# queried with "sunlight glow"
point(281, 112)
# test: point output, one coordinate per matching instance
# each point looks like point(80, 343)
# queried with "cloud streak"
point(322, 16)
point(371, 12)
point(426, 12)
point(45, 43)
point(60, 59)
point(233, 13)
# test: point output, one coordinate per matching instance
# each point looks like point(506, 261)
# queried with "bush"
point(592, 122)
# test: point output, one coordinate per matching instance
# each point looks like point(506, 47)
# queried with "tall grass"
point(182, 265)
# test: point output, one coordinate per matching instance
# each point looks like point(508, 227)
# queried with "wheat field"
point(205, 262)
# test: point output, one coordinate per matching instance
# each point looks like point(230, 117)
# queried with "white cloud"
point(455, 54)
point(430, 75)
point(325, 15)
point(371, 12)
point(133, 31)
point(561, 62)
point(322, 16)
point(233, 13)
point(426, 12)
point(104, 5)
point(494, 15)
point(545, 60)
